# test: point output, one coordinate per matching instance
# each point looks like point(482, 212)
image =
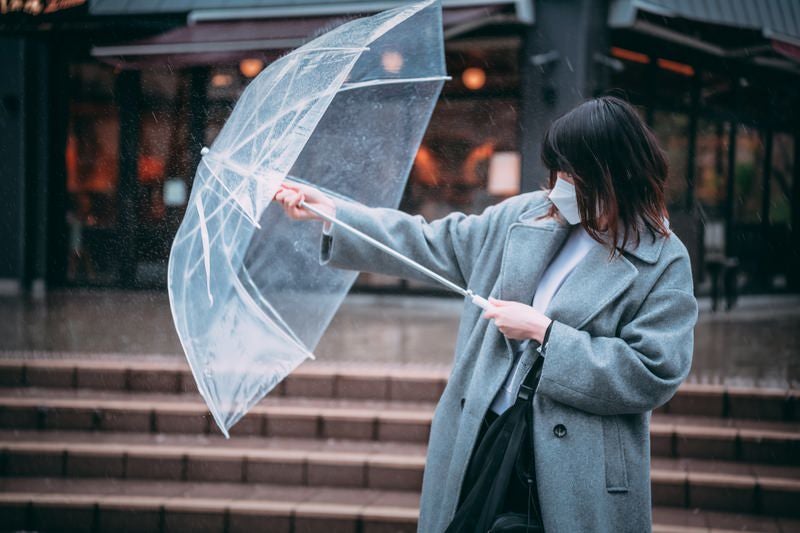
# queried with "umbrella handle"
point(474, 298)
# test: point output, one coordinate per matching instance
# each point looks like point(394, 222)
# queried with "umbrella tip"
point(204, 150)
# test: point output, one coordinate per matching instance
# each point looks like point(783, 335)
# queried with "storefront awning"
point(774, 23)
point(229, 35)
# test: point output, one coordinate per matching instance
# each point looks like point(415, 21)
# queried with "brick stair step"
point(718, 485)
point(726, 486)
point(86, 505)
point(671, 435)
point(327, 464)
point(355, 381)
point(358, 381)
point(680, 520)
point(311, 419)
point(94, 505)
point(729, 439)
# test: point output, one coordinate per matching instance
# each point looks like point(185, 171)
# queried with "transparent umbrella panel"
point(344, 113)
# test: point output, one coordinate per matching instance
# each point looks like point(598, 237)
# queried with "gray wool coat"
point(620, 345)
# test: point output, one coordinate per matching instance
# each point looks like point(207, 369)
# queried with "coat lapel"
point(528, 250)
point(529, 247)
point(594, 283)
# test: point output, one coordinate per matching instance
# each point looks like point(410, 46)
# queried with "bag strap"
point(528, 386)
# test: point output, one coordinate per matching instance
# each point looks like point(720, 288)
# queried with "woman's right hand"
point(290, 196)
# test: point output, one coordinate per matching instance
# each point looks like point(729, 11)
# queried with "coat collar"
point(647, 250)
point(594, 283)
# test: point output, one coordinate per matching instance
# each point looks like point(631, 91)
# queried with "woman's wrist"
point(541, 329)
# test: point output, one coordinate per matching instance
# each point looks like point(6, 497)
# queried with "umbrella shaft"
point(394, 253)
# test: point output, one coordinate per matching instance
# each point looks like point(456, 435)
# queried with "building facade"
point(106, 104)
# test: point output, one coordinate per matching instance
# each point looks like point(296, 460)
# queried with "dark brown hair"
point(616, 164)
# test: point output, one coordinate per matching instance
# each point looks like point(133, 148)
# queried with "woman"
point(589, 263)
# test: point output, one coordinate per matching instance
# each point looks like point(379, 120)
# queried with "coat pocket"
point(614, 452)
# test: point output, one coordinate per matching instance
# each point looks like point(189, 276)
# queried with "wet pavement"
point(755, 344)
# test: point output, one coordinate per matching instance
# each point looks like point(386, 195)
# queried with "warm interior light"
point(221, 80)
point(674, 66)
point(474, 78)
point(392, 61)
point(504, 174)
point(629, 55)
point(251, 67)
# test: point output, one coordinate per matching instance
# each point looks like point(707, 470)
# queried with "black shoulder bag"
point(503, 459)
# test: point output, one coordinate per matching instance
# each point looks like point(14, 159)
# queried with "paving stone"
point(214, 468)
point(707, 442)
point(247, 517)
point(415, 388)
point(126, 420)
point(102, 378)
point(303, 425)
point(289, 469)
point(669, 488)
point(100, 464)
point(722, 492)
point(661, 440)
point(19, 417)
point(195, 515)
point(769, 447)
point(12, 373)
point(403, 427)
point(780, 497)
point(758, 404)
point(77, 418)
point(34, 463)
point(129, 514)
point(362, 386)
point(155, 465)
point(14, 515)
point(336, 469)
point(698, 400)
point(50, 375)
point(734, 521)
point(187, 383)
point(678, 516)
point(314, 517)
point(337, 424)
point(395, 473)
point(150, 381)
point(310, 384)
point(181, 422)
point(67, 513)
point(252, 424)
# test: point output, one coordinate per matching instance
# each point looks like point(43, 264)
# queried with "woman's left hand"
point(516, 320)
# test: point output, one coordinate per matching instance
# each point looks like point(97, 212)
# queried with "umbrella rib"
point(286, 67)
point(225, 200)
point(271, 135)
point(269, 92)
point(300, 104)
point(272, 310)
point(206, 248)
point(390, 81)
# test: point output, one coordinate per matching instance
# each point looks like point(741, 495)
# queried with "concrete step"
point(358, 381)
point(135, 506)
point(717, 485)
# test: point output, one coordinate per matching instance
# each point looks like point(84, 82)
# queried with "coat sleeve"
point(448, 246)
point(634, 372)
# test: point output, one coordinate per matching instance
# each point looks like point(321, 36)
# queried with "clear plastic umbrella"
point(344, 113)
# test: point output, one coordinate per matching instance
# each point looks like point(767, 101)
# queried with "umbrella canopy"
point(345, 113)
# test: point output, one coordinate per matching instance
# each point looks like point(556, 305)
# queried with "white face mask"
point(563, 196)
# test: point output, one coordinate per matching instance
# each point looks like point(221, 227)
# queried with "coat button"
point(559, 430)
